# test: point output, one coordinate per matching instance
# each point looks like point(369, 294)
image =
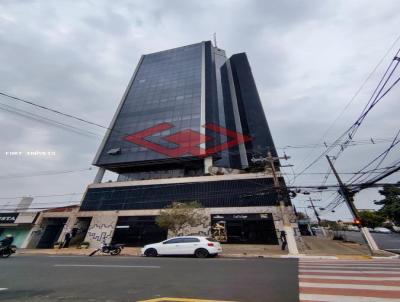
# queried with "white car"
point(353, 228)
point(199, 246)
point(382, 230)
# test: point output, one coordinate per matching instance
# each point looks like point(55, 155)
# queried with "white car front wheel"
point(151, 252)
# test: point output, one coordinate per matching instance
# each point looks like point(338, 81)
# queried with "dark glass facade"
point(165, 89)
point(253, 120)
point(187, 87)
point(223, 193)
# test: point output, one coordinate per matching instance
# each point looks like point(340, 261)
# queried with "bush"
point(84, 244)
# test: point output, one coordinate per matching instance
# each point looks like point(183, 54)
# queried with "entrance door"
point(247, 228)
point(79, 230)
point(50, 236)
point(138, 231)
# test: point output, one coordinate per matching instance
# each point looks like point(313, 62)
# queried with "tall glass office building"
point(186, 129)
point(176, 98)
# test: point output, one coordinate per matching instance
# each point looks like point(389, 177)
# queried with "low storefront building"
point(18, 224)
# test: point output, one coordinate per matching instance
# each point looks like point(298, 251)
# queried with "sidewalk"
point(316, 247)
point(329, 247)
point(128, 251)
point(229, 250)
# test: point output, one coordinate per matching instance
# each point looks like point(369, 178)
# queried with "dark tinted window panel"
point(165, 89)
point(227, 193)
point(251, 111)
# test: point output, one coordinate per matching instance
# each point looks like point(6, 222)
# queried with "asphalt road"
point(107, 278)
point(389, 242)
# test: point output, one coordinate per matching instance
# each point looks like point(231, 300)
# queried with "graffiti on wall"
point(100, 232)
point(201, 229)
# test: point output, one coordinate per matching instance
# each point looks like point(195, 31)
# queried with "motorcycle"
point(112, 249)
point(6, 251)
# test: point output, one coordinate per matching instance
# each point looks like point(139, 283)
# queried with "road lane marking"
point(345, 281)
point(106, 265)
point(3, 288)
point(335, 298)
point(350, 286)
point(352, 281)
point(68, 256)
point(349, 277)
point(351, 268)
point(349, 272)
point(372, 265)
point(180, 300)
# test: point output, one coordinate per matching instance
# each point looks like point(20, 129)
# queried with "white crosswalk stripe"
point(349, 280)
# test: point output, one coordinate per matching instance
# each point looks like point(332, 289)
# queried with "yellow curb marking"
point(354, 257)
point(181, 300)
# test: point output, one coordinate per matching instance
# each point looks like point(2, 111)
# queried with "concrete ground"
point(229, 250)
point(328, 247)
point(315, 246)
point(105, 278)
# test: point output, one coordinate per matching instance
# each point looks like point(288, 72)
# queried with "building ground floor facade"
point(246, 225)
point(125, 212)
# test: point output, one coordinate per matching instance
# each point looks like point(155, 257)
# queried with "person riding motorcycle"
point(7, 241)
point(6, 249)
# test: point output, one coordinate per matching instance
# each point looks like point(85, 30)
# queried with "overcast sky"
point(308, 58)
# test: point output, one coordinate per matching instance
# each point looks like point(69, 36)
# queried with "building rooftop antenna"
point(215, 40)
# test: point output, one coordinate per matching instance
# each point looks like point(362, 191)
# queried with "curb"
point(303, 256)
point(250, 256)
point(388, 257)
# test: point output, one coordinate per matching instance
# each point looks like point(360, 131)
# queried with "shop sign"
point(8, 217)
point(242, 216)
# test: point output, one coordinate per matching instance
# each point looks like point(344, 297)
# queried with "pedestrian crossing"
point(349, 280)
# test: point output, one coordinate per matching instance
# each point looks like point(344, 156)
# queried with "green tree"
point(371, 219)
point(179, 216)
point(391, 202)
point(333, 225)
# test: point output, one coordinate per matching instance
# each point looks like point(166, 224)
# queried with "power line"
point(37, 203)
point(39, 208)
point(382, 156)
point(53, 110)
point(46, 120)
point(375, 98)
point(43, 173)
point(370, 141)
point(42, 196)
point(356, 94)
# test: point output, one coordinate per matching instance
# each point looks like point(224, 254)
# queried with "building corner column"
point(208, 163)
point(289, 231)
point(99, 176)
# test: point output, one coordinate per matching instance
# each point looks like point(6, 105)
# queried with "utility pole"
point(348, 196)
point(315, 211)
point(287, 227)
point(317, 215)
